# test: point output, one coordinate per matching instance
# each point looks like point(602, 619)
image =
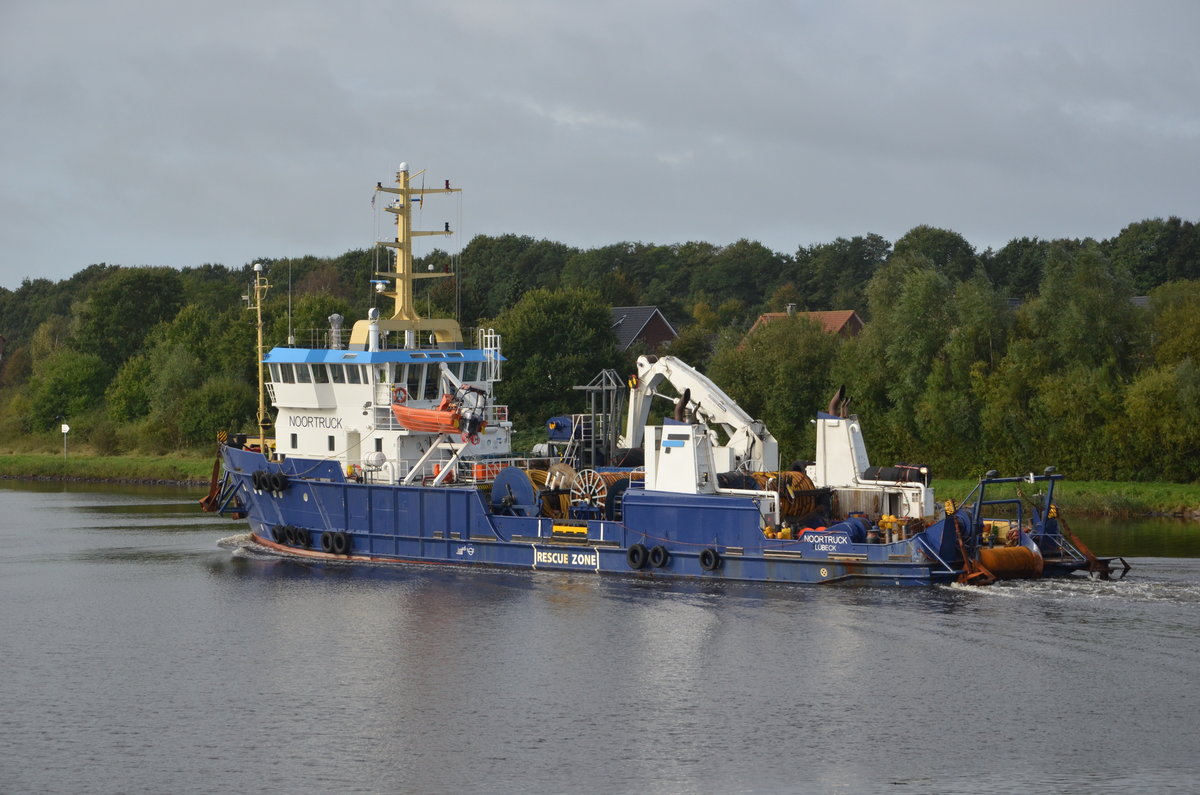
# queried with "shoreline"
point(1184, 515)
point(125, 481)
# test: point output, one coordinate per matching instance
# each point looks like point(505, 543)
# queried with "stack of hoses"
point(789, 485)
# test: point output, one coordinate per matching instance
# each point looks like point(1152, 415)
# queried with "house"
point(842, 322)
point(641, 324)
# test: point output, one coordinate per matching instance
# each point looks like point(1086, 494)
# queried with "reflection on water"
point(149, 649)
point(1140, 537)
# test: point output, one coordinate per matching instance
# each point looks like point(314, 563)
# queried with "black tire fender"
point(635, 556)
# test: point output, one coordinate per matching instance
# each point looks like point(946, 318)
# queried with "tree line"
point(1077, 353)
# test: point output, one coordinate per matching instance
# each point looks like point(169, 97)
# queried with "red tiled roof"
point(832, 322)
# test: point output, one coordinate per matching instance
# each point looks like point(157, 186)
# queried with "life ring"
point(341, 544)
point(278, 480)
point(327, 541)
point(399, 394)
point(710, 559)
point(635, 556)
point(659, 556)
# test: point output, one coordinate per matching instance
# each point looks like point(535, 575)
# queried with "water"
point(141, 655)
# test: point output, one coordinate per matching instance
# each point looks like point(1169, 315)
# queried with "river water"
point(147, 648)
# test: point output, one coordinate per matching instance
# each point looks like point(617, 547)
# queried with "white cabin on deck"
point(336, 403)
point(842, 465)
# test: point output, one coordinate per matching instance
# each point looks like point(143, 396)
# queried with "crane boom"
point(751, 443)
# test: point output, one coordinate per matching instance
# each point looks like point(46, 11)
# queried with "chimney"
point(335, 328)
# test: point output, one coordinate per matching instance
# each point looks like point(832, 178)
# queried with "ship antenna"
point(291, 336)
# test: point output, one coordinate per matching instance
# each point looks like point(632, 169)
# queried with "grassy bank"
point(1105, 498)
point(177, 467)
point(1098, 498)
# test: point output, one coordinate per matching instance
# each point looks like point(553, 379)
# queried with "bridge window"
point(412, 380)
point(320, 374)
point(285, 374)
point(338, 373)
point(303, 376)
point(352, 374)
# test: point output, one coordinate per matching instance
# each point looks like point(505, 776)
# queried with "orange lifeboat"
point(447, 417)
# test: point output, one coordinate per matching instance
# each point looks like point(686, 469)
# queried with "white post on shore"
point(65, 429)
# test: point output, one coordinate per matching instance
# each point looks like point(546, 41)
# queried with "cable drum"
point(560, 477)
point(789, 485)
point(602, 491)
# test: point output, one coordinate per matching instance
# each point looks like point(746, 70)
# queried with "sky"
point(159, 132)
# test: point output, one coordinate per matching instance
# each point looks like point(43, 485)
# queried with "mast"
point(402, 293)
point(264, 421)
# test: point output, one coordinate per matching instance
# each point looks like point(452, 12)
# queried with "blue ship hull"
point(661, 534)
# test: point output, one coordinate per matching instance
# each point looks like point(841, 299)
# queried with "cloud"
point(161, 133)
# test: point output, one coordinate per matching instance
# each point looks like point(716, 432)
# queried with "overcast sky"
point(169, 133)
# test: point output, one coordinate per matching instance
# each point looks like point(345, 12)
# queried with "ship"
point(388, 447)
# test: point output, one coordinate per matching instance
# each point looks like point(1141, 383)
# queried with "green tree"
point(128, 396)
point(1163, 406)
point(221, 402)
point(496, 271)
point(66, 385)
point(553, 340)
point(694, 345)
point(835, 275)
point(949, 251)
point(744, 271)
point(1016, 269)
point(1155, 251)
point(1083, 314)
point(1175, 322)
point(52, 334)
point(779, 374)
point(114, 319)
